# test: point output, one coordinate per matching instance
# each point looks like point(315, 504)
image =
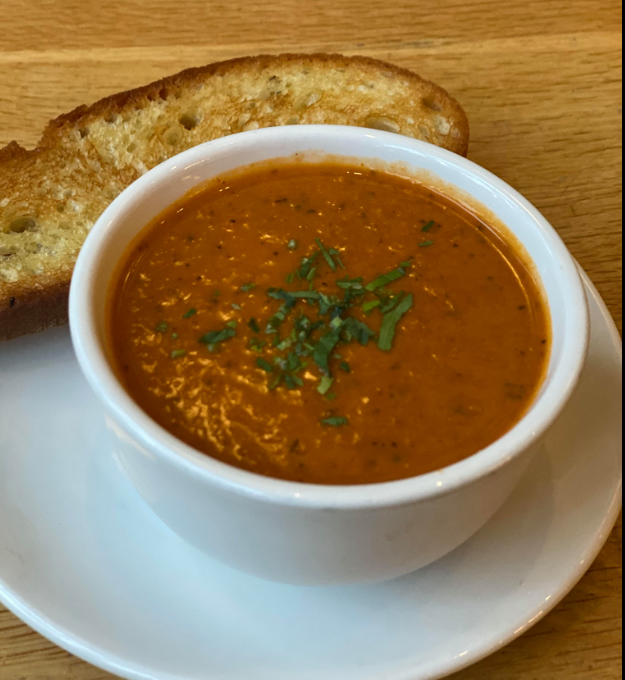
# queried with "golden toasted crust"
point(50, 197)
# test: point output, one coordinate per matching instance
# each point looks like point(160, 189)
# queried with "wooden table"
point(540, 80)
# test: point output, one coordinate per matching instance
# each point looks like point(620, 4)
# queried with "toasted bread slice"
point(50, 197)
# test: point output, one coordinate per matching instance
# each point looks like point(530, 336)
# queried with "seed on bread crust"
point(383, 123)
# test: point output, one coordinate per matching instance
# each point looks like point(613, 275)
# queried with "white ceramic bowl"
point(306, 534)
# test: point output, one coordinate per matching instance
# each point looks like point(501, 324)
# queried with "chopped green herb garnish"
point(190, 313)
point(426, 244)
point(294, 363)
point(280, 363)
point(306, 295)
point(292, 245)
point(390, 321)
point(393, 301)
point(281, 294)
point(179, 353)
point(335, 253)
point(307, 264)
point(326, 255)
point(174, 336)
point(215, 337)
point(325, 304)
point(368, 307)
point(283, 344)
point(428, 227)
point(299, 341)
point(324, 348)
point(385, 279)
point(339, 421)
point(257, 345)
point(293, 382)
point(216, 294)
point(290, 299)
point(162, 327)
point(275, 382)
point(355, 285)
point(277, 320)
point(358, 330)
point(325, 385)
point(237, 308)
point(248, 287)
point(265, 365)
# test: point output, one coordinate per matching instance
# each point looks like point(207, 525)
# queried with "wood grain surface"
point(541, 82)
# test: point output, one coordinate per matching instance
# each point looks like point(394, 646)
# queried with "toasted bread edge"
point(115, 103)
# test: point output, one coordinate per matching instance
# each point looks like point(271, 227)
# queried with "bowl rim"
point(159, 442)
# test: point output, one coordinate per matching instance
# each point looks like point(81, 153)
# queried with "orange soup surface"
point(328, 324)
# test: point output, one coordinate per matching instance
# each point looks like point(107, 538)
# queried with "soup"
point(328, 324)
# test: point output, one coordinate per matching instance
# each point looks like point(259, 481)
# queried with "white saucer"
point(86, 564)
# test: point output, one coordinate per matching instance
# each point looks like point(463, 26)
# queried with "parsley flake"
point(275, 382)
point(358, 330)
point(368, 307)
point(265, 365)
point(338, 421)
point(257, 345)
point(325, 385)
point(215, 337)
point(293, 381)
point(323, 349)
point(307, 264)
point(326, 255)
point(392, 302)
point(390, 321)
point(385, 279)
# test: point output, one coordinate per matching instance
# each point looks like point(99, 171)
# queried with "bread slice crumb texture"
point(51, 197)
